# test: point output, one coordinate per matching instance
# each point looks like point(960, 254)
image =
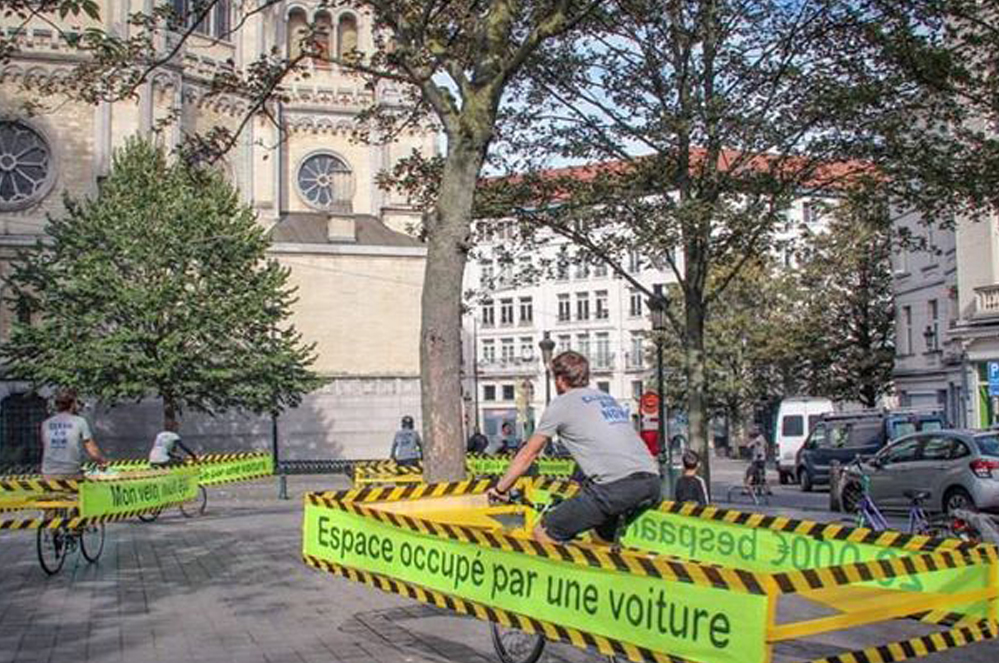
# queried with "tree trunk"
point(448, 237)
point(171, 412)
point(696, 382)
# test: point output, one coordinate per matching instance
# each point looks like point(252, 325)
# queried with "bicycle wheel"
point(92, 541)
point(51, 547)
point(515, 646)
point(197, 506)
point(150, 516)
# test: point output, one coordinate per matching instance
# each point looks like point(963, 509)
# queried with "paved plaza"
point(230, 587)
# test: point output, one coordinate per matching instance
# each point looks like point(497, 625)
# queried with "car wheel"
point(958, 498)
point(805, 479)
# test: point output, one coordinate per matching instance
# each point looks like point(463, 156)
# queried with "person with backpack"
point(407, 448)
point(690, 487)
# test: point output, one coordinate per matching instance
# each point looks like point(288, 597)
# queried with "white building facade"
point(583, 307)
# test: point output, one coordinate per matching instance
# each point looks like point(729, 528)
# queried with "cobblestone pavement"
point(230, 587)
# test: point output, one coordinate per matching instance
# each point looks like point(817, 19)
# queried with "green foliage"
point(159, 286)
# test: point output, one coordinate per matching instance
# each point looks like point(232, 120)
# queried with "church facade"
point(347, 242)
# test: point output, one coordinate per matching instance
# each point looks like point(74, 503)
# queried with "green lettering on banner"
point(479, 466)
point(235, 470)
point(691, 621)
point(769, 551)
point(105, 498)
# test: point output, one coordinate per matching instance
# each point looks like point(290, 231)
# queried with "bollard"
point(835, 496)
point(282, 486)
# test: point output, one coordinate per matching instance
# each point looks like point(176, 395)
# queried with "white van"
point(795, 419)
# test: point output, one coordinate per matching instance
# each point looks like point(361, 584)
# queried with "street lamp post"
point(657, 310)
point(547, 346)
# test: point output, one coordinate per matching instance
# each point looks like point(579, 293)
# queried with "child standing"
point(690, 487)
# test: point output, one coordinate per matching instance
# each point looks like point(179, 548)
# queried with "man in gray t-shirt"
point(622, 477)
point(65, 438)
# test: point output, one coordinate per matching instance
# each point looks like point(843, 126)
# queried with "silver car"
point(953, 469)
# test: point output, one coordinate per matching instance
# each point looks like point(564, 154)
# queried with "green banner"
point(695, 622)
point(240, 469)
point(770, 551)
point(109, 497)
point(488, 466)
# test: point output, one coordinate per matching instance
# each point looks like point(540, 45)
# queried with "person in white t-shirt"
point(165, 444)
point(66, 437)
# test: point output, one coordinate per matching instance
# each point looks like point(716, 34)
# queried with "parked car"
point(958, 468)
point(844, 436)
point(795, 418)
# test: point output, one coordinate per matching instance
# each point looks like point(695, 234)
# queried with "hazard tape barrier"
point(477, 465)
point(689, 583)
point(213, 469)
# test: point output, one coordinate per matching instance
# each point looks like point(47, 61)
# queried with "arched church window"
point(222, 25)
point(324, 32)
point(26, 169)
point(346, 35)
point(297, 29)
point(326, 182)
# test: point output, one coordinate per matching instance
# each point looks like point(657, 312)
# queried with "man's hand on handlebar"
point(495, 496)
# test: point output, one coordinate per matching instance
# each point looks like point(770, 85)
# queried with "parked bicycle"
point(857, 498)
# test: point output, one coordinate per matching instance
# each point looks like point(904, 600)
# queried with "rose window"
point(326, 182)
point(25, 165)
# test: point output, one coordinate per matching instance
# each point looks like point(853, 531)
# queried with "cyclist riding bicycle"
point(163, 452)
point(66, 437)
point(757, 471)
point(622, 478)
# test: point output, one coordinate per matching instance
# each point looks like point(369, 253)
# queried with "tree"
point(159, 286)
point(455, 61)
point(847, 327)
point(704, 121)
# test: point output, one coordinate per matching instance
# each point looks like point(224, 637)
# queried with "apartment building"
point(584, 307)
point(947, 301)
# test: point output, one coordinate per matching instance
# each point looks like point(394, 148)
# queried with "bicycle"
point(513, 645)
point(755, 486)
point(856, 496)
point(189, 509)
point(55, 544)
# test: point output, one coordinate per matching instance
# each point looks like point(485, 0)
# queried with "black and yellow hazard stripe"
point(581, 554)
point(919, 646)
point(830, 531)
point(409, 491)
point(39, 485)
point(75, 520)
point(552, 631)
point(792, 582)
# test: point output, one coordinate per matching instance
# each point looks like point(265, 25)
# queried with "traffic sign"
point(993, 371)
point(650, 402)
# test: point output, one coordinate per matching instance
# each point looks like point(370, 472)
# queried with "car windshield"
point(988, 445)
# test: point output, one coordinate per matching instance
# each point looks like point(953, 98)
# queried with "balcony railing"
point(635, 361)
point(602, 362)
point(987, 300)
point(515, 365)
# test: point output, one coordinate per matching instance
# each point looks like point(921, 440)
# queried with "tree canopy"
point(159, 286)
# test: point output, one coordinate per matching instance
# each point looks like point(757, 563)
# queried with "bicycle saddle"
point(918, 495)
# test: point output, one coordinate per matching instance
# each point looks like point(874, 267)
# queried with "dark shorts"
point(408, 462)
point(600, 507)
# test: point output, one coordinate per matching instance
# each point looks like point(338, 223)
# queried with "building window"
point(582, 306)
point(907, 328)
point(564, 308)
point(637, 389)
point(635, 299)
point(346, 35)
point(486, 278)
point(602, 310)
point(526, 311)
point(507, 353)
point(562, 268)
point(489, 392)
point(526, 348)
point(506, 311)
point(583, 344)
point(222, 20)
point(604, 387)
point(298, 27)
point(582, 268)
point(26, 171)
point(933, 338)
point(600, 269)
point(636, 358)
point(564, 343)
point(323, 35)
point(488, 314)
point(634, 261)
point(603, 354)
point(488, 352)
point(326, 182)
point(508, 392)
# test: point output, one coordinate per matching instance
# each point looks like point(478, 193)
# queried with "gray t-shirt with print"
point(597, 432)
point(62, 443)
